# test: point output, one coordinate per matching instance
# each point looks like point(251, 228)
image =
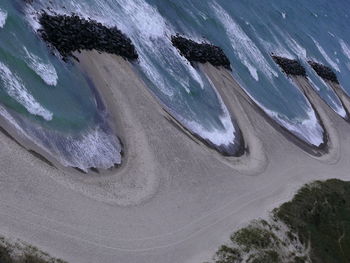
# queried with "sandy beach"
point(173, 200)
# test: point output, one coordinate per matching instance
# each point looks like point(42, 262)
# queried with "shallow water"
point(45, 92)
point(51, 101)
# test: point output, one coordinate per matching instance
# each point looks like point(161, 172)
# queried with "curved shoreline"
point(173, 198)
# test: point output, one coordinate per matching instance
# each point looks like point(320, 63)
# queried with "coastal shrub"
point(5, 255)
point(313, 227)
point(270, 256)
point(320, 215)
point(254, 237)
point(22, 253)
point(262, 241)
point(228, 254)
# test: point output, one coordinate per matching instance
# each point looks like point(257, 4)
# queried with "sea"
point(54, 105)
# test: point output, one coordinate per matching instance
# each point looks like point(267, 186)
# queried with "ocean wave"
point(219, 137)
point(244, 47)
point(3, 18)
point(308, 129)
point(345, 48)
point(16, 89)
point(93, 148)
point(326, 57)
point(159, 60)
point(332, 99)
point(296, 47)
point(46, 71)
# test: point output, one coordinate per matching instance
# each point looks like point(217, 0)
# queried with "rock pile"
point(324, 72)
point(290, 66)
point(72, 33)
point(200, 52)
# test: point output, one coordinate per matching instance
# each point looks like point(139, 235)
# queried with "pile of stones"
point(324, 72)
point(73, 33)
point(290, 66)
point(200, 52)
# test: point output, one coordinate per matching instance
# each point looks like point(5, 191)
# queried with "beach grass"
point(313, 227)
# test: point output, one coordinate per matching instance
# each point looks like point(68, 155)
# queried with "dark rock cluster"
point(324, 72)
point(73, 33)
point(200, 52)
point(290, 66)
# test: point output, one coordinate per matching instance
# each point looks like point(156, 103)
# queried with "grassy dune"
point(23, 253)
point(313, 227)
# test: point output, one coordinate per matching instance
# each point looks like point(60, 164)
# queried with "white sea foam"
point(151, 32)
point(326, 57)
point(16, 89)
point(224, 136)
point(243, 46)
point(296, 47)
point(309, 129)
point(94, 148)
point(338, 107)
point(46, 71)
point(3, 17)
point(345, 48)
point(335, 103)
point(276, 46)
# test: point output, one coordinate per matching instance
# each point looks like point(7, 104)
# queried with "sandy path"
point(174, 200)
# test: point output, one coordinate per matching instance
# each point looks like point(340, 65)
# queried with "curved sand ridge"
point(187, 197)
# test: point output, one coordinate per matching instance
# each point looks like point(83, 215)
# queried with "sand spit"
point(331, 145)
point(173, 200)
point(254, 160)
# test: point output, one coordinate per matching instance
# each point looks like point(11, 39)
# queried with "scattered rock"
point(324, 72)
point(200, 52)
point(73, 33)
point(290, 66)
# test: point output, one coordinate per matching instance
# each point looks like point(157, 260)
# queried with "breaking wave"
point(161, 63)
point(16, 89)
point(46, 71)
point(243, 46)
point(3, 17)
point(326, 57)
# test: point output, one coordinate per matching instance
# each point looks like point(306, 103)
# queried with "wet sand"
point(173, 200)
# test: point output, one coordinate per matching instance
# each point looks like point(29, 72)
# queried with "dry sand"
point(174, 200)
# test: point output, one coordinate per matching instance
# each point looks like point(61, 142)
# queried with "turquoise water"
point(50, 101)
point(62, 101)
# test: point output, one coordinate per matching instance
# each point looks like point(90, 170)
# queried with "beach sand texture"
point(173, 200)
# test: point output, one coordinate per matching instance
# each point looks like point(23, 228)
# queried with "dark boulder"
point(200, 52)
point(324, 72)
point(73, 33)
point(290, 66)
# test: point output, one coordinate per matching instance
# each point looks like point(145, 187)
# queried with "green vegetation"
point(21, 253)
point(262, 242)
point(313, 227)
point(320, 215)
point(254, 237)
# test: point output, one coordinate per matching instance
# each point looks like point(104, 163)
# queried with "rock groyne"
point(324, 72)
point(201, 52)
point(290, 66)
point(73, 33)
